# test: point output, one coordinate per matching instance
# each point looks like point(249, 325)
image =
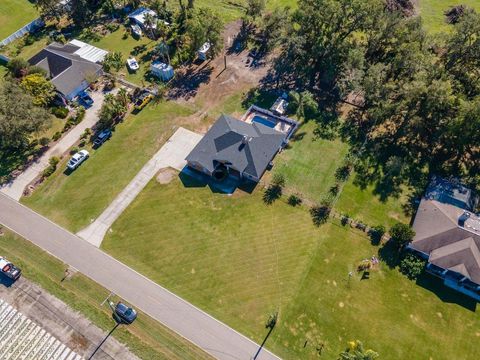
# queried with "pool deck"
point(281, 123)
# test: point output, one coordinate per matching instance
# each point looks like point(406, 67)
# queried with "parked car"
point(85, 99)
point(102, 137)
point(132, 64)
point(143, 100)
point(77, 159)
point(124, 314)
point(8, 269)
point(136, 30)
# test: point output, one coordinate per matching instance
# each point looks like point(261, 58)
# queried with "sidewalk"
point(15, 188)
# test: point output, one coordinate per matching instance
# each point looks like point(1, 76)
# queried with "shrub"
point(320, 214)
point(343, 172)
point(294, 200)
point(53, 162)
point(74, 150)
point(345, 220)
point(401, 234)
point(86, 133)
point(335, 189)
point(376, 233)
point(60, 112)
point(272, 193)
point(82, 143)
point(80, 114)
point(112, 27)
point(56, 136)
point(44, 141)
point(412, 266)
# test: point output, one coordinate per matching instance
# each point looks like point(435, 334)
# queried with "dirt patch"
point(166, 175)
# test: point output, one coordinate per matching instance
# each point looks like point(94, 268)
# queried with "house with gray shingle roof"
point(238, 148)
point(68, 66)
point(448, 235)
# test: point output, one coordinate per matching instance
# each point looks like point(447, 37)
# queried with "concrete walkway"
point(172, 154)
point(15, 188)
point(211, 335)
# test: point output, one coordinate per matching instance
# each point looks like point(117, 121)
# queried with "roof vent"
point(246, 139)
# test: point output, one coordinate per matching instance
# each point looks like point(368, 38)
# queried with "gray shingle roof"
point(249, 148)
point(438, 233)
point(66, 70)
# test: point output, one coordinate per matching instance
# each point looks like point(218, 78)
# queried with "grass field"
point(14, 14)
point(309, 164)
point(432, 12)
point(74, 200)
point(147, 338)
point(366, 205)
point(240, 260)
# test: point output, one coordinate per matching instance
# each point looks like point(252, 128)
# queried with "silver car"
point(77, 159)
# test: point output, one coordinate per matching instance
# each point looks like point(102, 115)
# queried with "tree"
point(42, 90)
point(255, 8)
point(19, 118)
point(461, 56)
point(17, 67)
point(356, 351)
point(112, 108)
point(113, 61)
point(204, 26)
point(149, 22)
point(163, 50)
point(401, 234)
point(412, 266)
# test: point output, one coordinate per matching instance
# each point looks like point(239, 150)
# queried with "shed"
point(202, 52)
point(161, 70)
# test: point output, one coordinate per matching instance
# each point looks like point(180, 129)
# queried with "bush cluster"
point(412, 266)
point(60, 112)
point(53, 162)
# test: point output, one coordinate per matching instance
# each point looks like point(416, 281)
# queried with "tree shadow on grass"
point(444, 293)
point(186, 84)
point(390, 254)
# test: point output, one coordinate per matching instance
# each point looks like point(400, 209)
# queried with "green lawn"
point(147, 338)
point(14, 14)
point(309, 164)
point(75, 200)
point(432, 12)
point(240, 260)
point(116, 42)
point(233, 256)
point(367, 206)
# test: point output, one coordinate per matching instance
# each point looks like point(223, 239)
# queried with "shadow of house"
point(448, 235)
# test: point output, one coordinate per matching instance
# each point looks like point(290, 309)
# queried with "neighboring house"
point(242, 148)
point(138, 17)
point(69, 66)
point(448, 235)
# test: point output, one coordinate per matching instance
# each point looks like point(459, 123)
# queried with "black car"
point(102, 137)
point(124, 314)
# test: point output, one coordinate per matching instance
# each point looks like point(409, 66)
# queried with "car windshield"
point(128, 313)
point(73, 160)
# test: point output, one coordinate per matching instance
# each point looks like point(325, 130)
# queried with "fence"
point(30, 27)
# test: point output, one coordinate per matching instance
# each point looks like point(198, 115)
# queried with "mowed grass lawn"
point(146, 338)
point(231, 255)
point(75, 200)
point(367, 206)
point(14, 14)
point(309, 163)
point(240, 260)
point(432, 12)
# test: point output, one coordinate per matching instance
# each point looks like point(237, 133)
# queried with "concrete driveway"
point(15, 188)
point(172, 154)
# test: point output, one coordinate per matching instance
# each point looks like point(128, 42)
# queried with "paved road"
point(172, 154)
point(17, 186)
point(212, 336)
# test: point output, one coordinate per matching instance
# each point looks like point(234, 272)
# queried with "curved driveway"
point(214, 337)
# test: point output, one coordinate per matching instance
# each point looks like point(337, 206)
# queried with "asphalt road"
point(214, 337)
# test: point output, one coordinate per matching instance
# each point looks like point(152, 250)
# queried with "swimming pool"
point(263, 121)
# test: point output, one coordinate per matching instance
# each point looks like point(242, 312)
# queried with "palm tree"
point(163, 50)
point(355, 351)
point(149, 21)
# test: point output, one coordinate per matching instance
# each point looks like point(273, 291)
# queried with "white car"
point(132, 64)
point(136, 30)
point(77, 159)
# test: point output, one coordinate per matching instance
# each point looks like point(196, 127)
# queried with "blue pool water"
point(263, 121)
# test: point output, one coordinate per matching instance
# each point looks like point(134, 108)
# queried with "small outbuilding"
point(203, 51)
point(138, 16)
point(161, 70)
